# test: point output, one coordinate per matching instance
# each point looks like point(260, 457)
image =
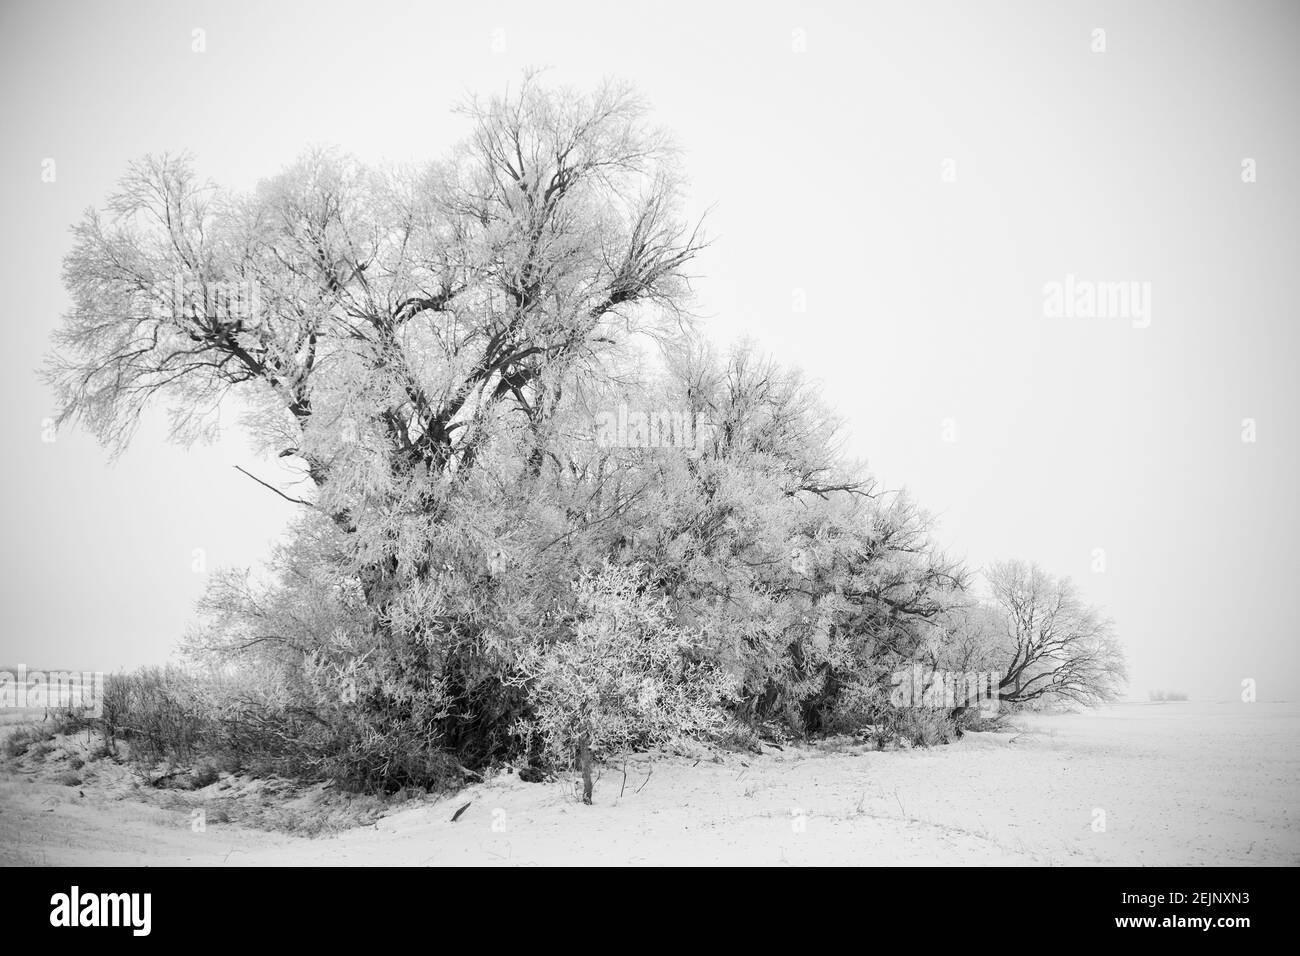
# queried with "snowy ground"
point(1177, 784)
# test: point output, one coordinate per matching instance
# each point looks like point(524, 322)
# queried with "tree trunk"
point(584, 765)
point(957, 716)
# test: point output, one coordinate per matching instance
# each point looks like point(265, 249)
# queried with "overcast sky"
point(913, 174)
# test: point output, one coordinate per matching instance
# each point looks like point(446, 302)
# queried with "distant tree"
point(1056, 647)
point(1161, 696)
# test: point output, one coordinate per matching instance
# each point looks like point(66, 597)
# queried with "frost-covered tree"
point(435, 347)
point(1053, 645)
point(383, 322)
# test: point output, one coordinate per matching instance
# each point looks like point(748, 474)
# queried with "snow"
point(1173, 784)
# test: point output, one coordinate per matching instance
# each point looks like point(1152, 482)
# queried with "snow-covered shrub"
point(627, 677)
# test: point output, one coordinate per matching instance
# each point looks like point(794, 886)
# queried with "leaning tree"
point(1053, 646)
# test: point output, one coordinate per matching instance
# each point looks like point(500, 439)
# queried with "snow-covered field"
point(1133, 784)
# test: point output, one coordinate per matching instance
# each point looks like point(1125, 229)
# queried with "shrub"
point(21, 740)
point(923, 726)
point(626, 678)
point(158, 712)
point(311, 722)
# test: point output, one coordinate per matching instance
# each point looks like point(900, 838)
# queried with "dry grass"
point(41, 753)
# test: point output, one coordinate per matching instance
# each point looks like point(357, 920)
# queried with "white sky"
point(924, 298)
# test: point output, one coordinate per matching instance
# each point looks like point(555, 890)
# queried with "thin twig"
point(297, 501)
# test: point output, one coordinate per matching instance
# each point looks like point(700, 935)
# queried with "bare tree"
point(1058, 646)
